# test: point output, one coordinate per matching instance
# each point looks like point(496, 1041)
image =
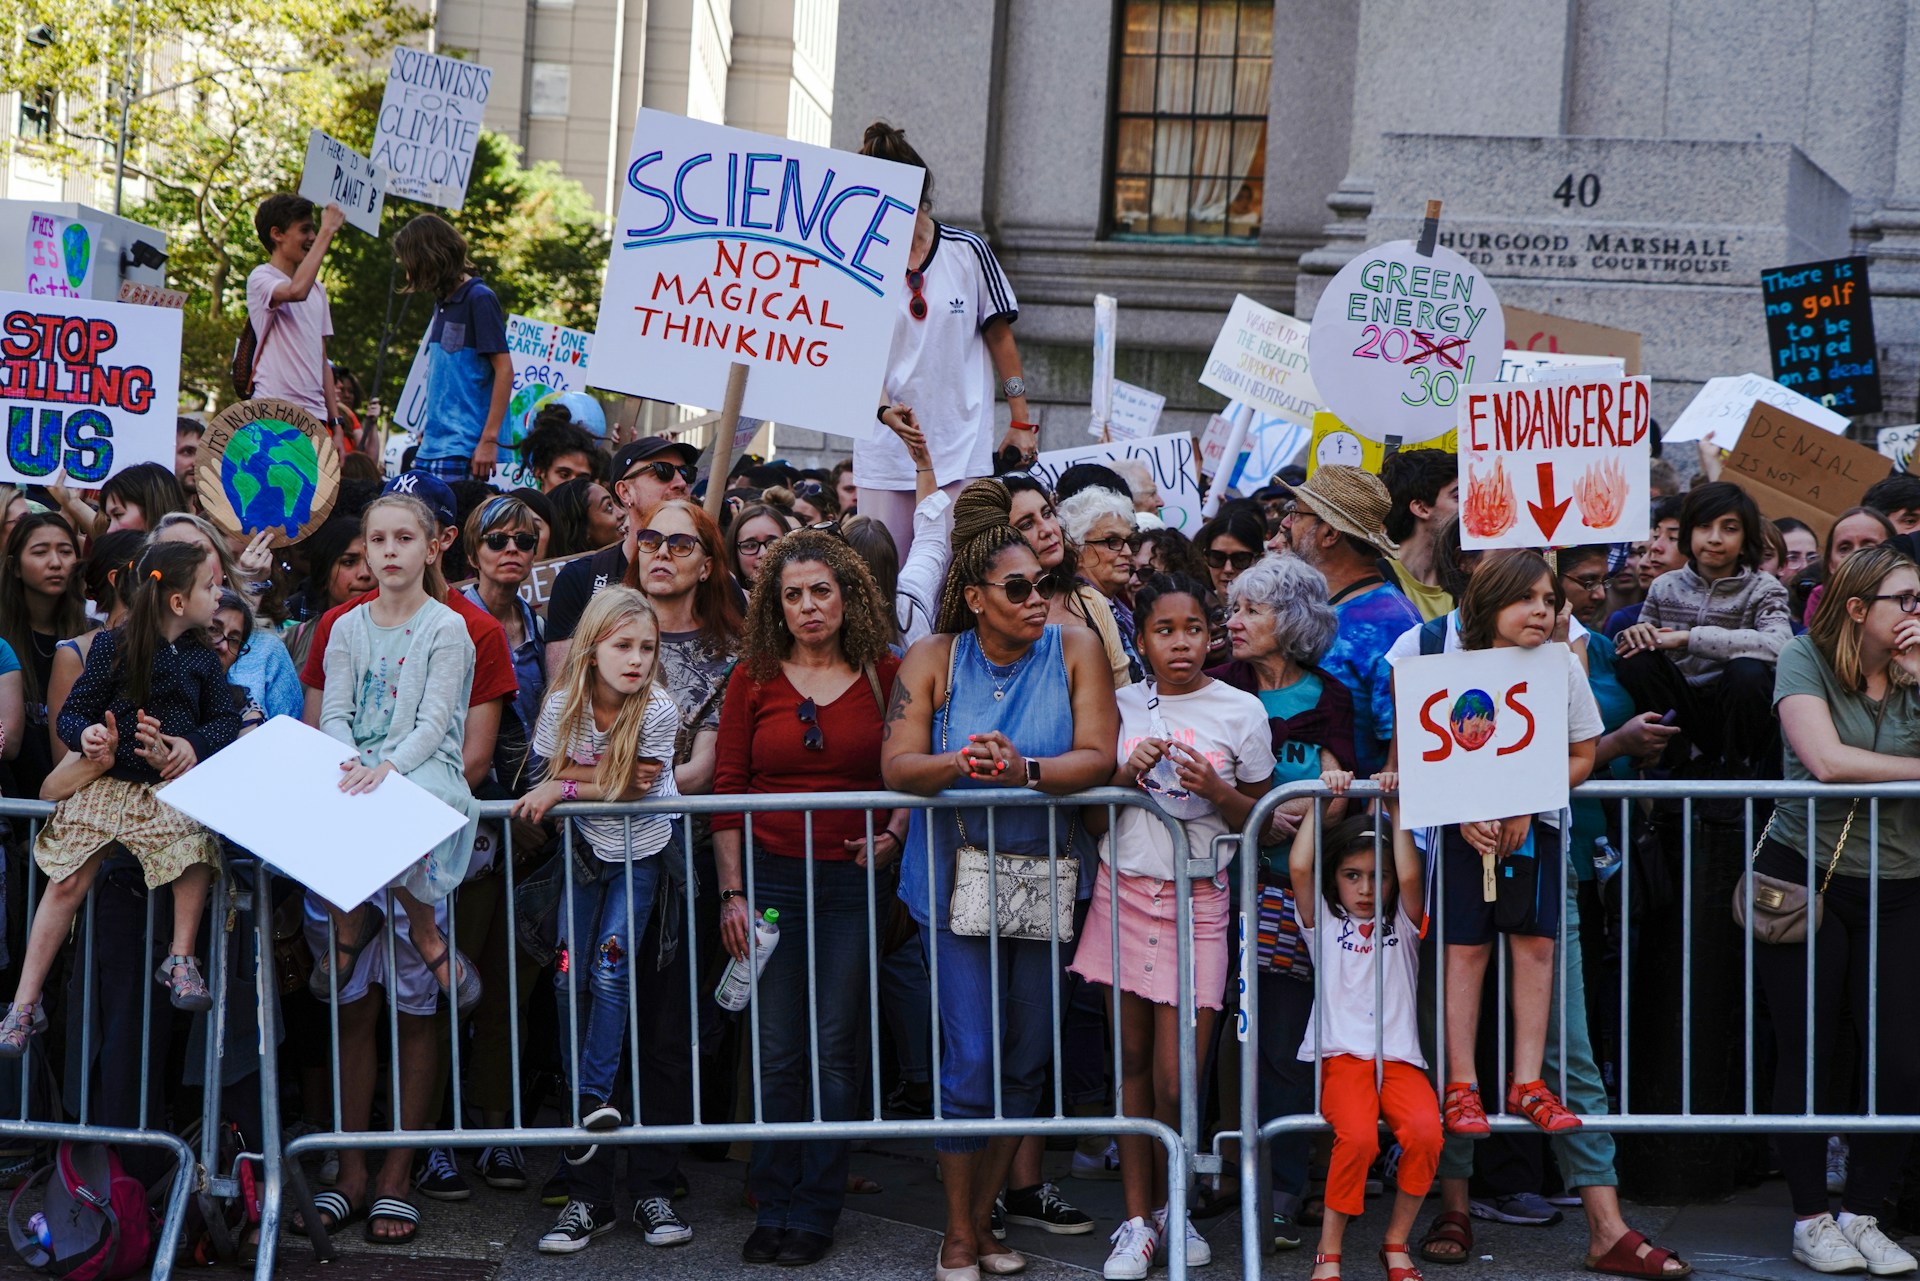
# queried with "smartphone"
point(1673, 715)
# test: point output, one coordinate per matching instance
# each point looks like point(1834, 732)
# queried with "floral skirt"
point(165, 841)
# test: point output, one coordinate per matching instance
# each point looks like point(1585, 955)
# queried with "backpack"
point(98, 1225)
point(1433, 636)
point(246, 356)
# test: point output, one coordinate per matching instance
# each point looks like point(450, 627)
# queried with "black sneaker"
point(655, 1217)
point(1040, 1207)
point(441, 1179)
point(596, 1115)
point(1285, 1233)
point(909, 1103)
point(576, 1228)
point(502, 1168)
point(998, 1219)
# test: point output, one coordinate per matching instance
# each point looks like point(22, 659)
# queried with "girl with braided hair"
point(996, 697)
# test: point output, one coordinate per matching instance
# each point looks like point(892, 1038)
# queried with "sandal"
point(1449, 1228)
point(860, 1185)
point(186, 990)
point(346, 956)
point(1319, 1259)
point(329, 1205)
point(1463, 1110)
point(1398, 1274)
point(466, 989)
point(1624, 1259)
point(394, 1210)
point(24, 1021)
point(1533, 1100)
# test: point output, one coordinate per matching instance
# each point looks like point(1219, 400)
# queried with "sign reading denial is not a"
point(1794, 468)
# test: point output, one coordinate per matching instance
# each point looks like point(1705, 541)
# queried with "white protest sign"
point(1397, 334)
point(343, 848)
point(1897, 442)
point(1482, 734)
point(1170, 458)
point(1527, 366)
point(549, 360)
point(1213, 441)
point(1554, 464)
point(736, 246)
point(410, 411)
point(429, 124)
point(60, 255)
point(336, 174)
point(1271, 444)
point(1260, 359)
point(1106, 318)
point(1719, 412)
point(89, 386)
point(1135, 412)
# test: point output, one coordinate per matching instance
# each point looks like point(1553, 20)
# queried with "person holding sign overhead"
point(287, 308)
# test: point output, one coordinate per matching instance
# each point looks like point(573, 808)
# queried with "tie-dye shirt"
point(1370, 621)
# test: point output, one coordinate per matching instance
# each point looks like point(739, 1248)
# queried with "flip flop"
point(394, 1210)
point(860, 1185)
point(333, 1205)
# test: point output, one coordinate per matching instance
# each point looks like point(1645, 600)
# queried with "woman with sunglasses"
point(997, 697)
point(1098, 525)
point(1072, 601)
point(751, 534)
point(952, 349)
point(804, 713)
point(501, 537)
point(1230, 543)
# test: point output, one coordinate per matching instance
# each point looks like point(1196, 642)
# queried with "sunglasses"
point(916, 305)
point(524, 541)
point(663, 471)
point(1018, 589)
point(1238, 561)
point(809, 489)
point(813, 740)
point(680, 545)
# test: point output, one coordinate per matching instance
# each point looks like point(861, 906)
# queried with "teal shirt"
point(1616, 709)
point(1293, 761)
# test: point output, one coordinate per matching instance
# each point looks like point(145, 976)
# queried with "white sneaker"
point(1884, 1258)
point(1104, 1166)
point(1199, 1253)
point(1836, 1165)
point(1821, 1245)
point(1133, 1245)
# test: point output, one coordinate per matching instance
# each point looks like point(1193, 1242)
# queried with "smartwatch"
point(1033, 772)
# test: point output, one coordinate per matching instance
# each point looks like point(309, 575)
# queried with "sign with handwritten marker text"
point(1793, 468)
point(336, 174)
point(736, 246)
point(1170, 458)
point(1466, 718)
point(60, 256)
point(429, 126)
point(1536, 331)
point(1259, 358)
point(1820, 329)
point(1719, 412)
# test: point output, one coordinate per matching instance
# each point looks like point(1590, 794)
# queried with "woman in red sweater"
point(803, 713)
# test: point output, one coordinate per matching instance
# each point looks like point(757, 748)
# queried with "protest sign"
point(1535, 456)
point(343, 848)
point(1213, 441)
point(1134, 413)
point(1820, 326)
point(1169, 457)
point(1333, 442)
point(1260, 359)
point(1719, 412)
point(549, 361)
point(410, 411)
point(336, 174)
point(1794, 468)
point(1527, 366)
point(735, 247)
point(60, 256)
point(89, 386)
point(1897, 443)
point(1464, 719)
point(1397, 334)
point(1536, 331)
point(267, 465)
point(152, 295)
point(1106, 318)
point(429, 124)
point(1272, 442)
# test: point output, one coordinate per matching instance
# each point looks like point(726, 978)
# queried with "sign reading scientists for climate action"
point(735, 246)
point(429, 125)
point(89, 386)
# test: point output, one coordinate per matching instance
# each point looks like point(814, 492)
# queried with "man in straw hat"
point(1336, 522)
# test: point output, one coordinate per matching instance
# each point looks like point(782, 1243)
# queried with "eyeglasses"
point(680, 545)
point(663, 471)
point(1018, 589)
point(916, 305)
point(1592, 584)
point(524, 541)
point(1907, 602)
point(813, 740)
point(1114, 543)
point(1239, 561)
point(233, 642)
point(754, 546)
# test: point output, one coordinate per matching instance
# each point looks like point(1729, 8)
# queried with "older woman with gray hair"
point(1280, 626)
point(1098, 526)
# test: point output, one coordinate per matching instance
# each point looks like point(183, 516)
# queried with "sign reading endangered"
point(89, 386)
point(429, 126)
point(732, 246)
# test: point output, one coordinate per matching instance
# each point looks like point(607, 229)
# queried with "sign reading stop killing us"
point(1398, 334)
point(732, 246)
point(1482, 735)
point(1554, 464)
point(429, 125)
point(88, 386)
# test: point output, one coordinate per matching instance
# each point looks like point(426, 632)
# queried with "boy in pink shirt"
point(287, 307)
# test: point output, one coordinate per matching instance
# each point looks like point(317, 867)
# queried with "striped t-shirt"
point(614, 840)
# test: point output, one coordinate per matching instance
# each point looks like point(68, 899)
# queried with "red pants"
point(1354, 1108)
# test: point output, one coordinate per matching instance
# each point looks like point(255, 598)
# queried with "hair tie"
point(154, 574)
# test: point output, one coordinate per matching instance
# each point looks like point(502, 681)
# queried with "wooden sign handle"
point(723, 440)
point(1429, 230)
point(1489, 887)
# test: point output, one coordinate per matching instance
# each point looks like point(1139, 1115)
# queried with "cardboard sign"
point(1334, 442)
point(60, 256)
point(1719, 412)
point(429, 125)
point(1213, 441)
point(1554, 464)
point(1794, 468)
point(1536, 331)
point(336, 174)
point(1106, 320)
point(267, 465)
point(1820, 326)
point(1260, 359)
point(1898, 443)
point(1396, 336)
point(735, 246)
point(152, 295)
point(1135, 413)
point(89, 386)
point(1465, 719)
point(1169, 457)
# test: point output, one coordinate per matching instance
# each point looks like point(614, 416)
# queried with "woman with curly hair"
point(996, 697)
point(804, 713)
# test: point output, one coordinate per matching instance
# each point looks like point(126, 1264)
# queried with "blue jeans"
point(803, 1184)
point(600, 941)
point(1028, 981)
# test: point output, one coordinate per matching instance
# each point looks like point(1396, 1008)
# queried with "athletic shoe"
point(1566, 1198)
point(1884, 1258)
point(576, 1228)
point(1836, 1165)
point(655, 1217)
point(1286, 1234)
point(997, 1218)
point(440, 1178)
point(502, 1168)
point(1133, 1246)
point(1104, 1166)
point(908, 1103)
point(1199, 1253)
point(596, 1115)
point(1041, 1207)
point(1525, 1209)
point(1821, 1245)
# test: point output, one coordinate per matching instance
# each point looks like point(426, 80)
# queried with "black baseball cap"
point(648, 448)
point(429, 489)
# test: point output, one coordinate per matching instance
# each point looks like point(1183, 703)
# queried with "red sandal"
point(1319, 1259)
point(1533, 1100)
point(1398, 1274)
point(1463, 1111)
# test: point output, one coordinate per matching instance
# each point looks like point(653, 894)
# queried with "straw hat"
point(1353, 501)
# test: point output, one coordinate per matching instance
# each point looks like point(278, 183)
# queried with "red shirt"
point(762, 750)
point(492, 660)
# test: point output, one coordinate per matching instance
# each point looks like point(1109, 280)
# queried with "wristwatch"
point(880, 414)
point(1033, 773)
point(731, 894)
point(1014, 386)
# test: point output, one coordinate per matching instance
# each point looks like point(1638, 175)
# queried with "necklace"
point(51, 650)
point(1000, 676)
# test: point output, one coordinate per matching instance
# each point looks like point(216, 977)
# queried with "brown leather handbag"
point(1781, 911)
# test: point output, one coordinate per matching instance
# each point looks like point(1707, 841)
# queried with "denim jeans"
point(907, 1005)
point(601, 924)
point(804, 1184)
point(1029, 980)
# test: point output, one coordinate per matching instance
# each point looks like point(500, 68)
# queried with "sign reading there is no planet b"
point(429, 125)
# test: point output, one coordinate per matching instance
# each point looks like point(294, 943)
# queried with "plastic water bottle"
point(41, 1232)
point(1606, 859)
point(736, 983)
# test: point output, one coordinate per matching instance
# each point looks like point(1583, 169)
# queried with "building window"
point(552, 85)
point(1190, 117)
point(36, 115)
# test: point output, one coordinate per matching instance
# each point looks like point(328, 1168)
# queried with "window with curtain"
point(1190, 117)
